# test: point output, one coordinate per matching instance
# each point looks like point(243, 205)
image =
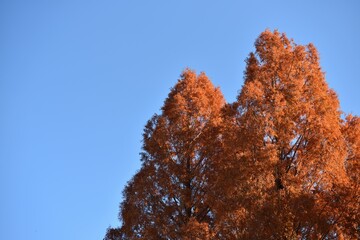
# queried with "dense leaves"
point(278, 163)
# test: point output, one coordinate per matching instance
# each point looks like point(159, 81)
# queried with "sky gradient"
point(79, 80)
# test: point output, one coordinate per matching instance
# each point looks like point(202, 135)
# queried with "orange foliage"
point(278, 163)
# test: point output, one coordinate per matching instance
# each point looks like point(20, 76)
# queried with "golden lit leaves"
point(351, 131)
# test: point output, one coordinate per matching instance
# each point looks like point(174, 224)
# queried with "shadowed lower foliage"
point(278, 163)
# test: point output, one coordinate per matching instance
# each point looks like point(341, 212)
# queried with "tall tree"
point(167, 198)
point(286, 139)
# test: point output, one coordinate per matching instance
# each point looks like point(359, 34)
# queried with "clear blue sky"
point(79, 80)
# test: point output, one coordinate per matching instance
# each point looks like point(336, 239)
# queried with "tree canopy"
point(281, 162)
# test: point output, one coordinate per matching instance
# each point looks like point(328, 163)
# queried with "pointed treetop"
point(193, 95)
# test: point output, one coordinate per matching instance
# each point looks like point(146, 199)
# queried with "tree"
point(167, 198)
point(286, 139)
point(278, 163)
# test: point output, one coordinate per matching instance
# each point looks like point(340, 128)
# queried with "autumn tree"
point(281, 162)
point(285, 139)
point(167, 198)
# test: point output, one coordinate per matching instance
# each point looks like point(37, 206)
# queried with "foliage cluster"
point(281, 162)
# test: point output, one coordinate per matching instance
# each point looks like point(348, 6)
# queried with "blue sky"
point(79, 80)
